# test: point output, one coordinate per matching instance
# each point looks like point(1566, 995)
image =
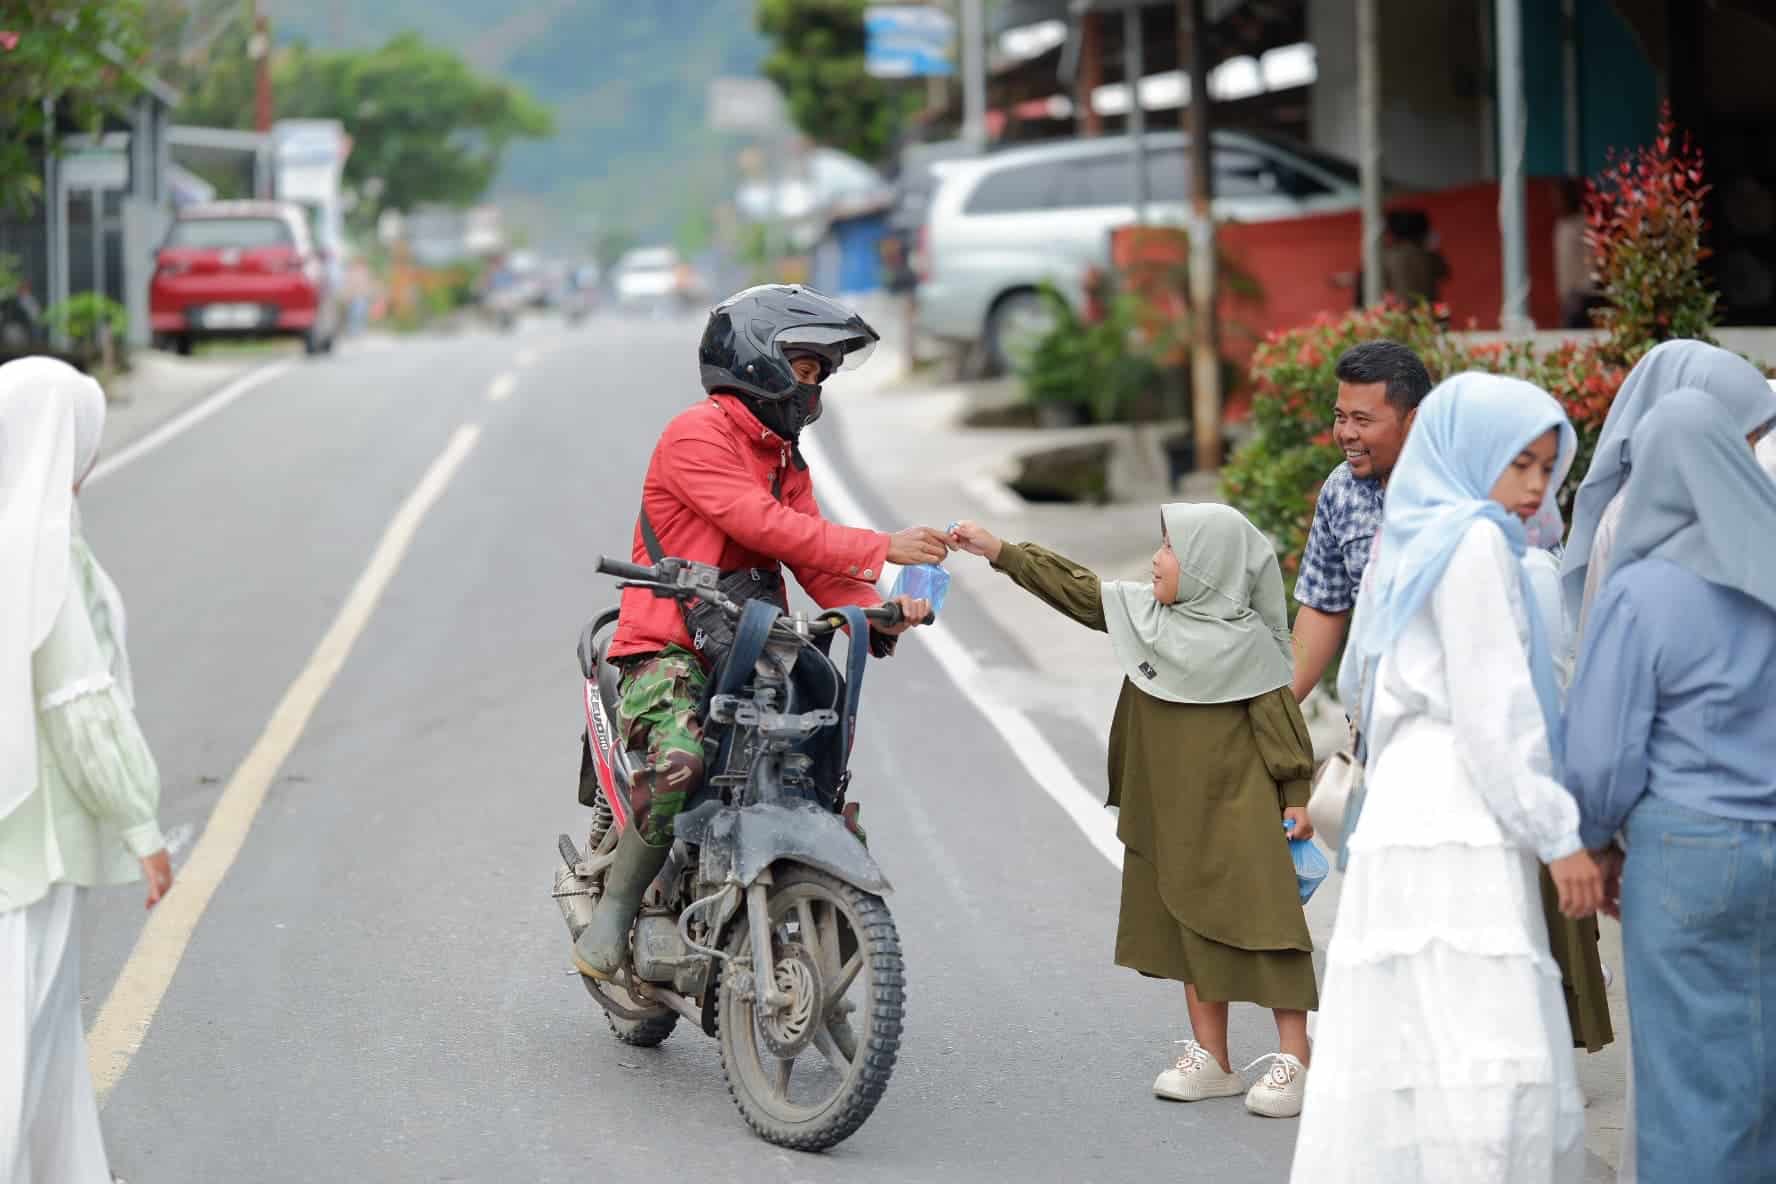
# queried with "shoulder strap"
point(649, 539)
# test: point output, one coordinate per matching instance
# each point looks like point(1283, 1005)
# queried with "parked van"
point(1000, 225)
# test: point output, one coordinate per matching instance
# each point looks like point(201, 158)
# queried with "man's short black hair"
point(1408, 382)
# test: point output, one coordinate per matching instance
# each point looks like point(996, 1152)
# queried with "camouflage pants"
point(656, 716)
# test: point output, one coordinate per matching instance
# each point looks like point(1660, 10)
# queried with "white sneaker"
point(1279, 1092)
point(1196, 1076)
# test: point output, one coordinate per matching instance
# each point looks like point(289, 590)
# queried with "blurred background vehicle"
point(652, 280)
point(243, 269)
point(998, 227)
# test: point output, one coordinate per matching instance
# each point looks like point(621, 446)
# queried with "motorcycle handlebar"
point(627, 571)
point(887, 616)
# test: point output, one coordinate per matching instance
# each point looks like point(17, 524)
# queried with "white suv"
point(1000, 225)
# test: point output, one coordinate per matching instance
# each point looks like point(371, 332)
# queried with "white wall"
point(1433, 88)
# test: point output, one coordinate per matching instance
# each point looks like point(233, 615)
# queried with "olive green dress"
point(1574, 946)
point(1209, 895)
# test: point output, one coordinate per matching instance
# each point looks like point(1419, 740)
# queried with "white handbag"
point(1336, 800)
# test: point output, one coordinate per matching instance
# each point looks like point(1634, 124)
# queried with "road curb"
point(139, 440)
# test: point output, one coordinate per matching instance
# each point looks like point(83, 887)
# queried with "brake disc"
point(791, 1028)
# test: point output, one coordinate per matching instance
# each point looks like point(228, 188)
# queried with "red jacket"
point(708, 496)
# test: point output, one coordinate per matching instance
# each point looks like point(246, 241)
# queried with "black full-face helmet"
point(749, 339)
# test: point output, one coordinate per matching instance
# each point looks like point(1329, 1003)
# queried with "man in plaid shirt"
point(1380, 385)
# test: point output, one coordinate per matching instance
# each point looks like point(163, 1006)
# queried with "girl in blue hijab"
point(1443, 1048)
point(1672, 739)
point(1748, 400)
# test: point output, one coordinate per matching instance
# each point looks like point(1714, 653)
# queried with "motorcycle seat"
point(609, 681)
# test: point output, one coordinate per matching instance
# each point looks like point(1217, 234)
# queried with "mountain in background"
point(626, 78)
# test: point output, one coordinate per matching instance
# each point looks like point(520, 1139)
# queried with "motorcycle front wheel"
point(808, 1073)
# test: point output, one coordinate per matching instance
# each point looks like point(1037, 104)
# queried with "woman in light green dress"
point(78, 787)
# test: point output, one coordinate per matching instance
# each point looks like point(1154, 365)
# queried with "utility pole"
point(259, 49)
point(974, 75)
point(1133, 68)
point(1369, 145)
point(1205, 354)
point(1514, 314)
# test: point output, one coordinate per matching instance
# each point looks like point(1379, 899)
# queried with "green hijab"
point(1227, 637)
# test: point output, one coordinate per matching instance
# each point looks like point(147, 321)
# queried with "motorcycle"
point(767, 926)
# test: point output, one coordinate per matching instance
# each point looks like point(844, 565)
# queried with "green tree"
point(76, 54)
point(817, 60)
point(425, 127)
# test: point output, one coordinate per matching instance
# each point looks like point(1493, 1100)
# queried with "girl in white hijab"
point(1209, 759)
point(78, 788)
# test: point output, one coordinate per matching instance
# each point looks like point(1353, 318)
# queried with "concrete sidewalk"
point(930, 468)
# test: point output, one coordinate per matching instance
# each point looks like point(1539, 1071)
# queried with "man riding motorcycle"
point(727, 486)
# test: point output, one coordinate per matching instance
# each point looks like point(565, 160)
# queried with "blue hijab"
point(1700, 500)
point(1733, 382)
point(1468, 431)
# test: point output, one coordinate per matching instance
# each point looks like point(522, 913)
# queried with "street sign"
point(751, 106)
point(909, 41)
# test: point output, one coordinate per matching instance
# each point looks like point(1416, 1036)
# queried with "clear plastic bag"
point(1311, 867)
point(924, 581)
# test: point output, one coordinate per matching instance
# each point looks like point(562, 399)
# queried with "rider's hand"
point(912, 612)
point(917, 544)
point(1579, 881)
point(976, 540)
point(1304, 828)
point(157, 869)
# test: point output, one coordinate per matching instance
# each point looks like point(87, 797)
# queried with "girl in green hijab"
point(1209, 757)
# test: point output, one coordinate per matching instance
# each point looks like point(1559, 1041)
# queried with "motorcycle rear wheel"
point(648, 1033)
point(838, 955)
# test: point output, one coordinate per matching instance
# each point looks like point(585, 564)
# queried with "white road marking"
point(123, 1022)
point(1047, 767)
point(502, 388)
point(526, 356)
point(186, 420)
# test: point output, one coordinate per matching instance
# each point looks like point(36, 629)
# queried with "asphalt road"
point(380, 989)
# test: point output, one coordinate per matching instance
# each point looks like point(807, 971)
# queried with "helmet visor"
point(843, 347)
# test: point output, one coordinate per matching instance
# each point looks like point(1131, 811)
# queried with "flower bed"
point(1646, 231)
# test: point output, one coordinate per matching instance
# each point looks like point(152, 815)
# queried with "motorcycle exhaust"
point(571, 892)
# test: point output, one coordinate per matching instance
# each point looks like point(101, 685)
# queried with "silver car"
point(1000, 225)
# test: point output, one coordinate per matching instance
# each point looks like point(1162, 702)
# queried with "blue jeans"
point(1699, 932)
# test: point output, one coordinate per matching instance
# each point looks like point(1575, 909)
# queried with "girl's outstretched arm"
point(1054, 579)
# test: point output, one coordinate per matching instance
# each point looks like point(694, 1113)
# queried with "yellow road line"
point(123, 1022)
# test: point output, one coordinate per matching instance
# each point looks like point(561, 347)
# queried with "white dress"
point(1444, 1053)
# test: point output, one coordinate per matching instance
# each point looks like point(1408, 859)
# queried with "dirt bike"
point(766, 928)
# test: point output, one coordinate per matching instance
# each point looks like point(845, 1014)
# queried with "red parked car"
point(241, 269)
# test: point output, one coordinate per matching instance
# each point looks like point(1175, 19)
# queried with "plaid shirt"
point(1346, 520)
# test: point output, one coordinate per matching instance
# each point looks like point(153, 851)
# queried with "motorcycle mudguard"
point(739, 843)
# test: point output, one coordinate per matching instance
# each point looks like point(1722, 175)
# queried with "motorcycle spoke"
point(829, 1048)
point(828, 953)
point(847, 975)
point(810, 935)
point(781, 1080)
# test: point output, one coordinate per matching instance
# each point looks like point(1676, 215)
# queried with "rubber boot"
point(603, 946)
